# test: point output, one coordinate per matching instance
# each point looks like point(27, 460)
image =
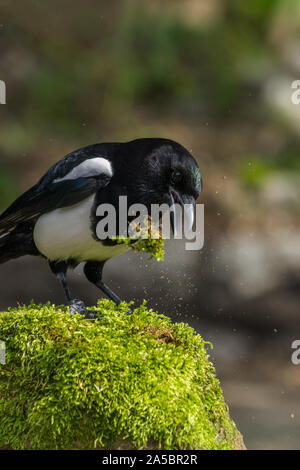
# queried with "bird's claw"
point(77, 306)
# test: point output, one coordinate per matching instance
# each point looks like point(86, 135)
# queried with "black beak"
point(188, 205)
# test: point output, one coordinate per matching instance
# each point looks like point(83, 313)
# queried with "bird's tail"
point(5, 254)
point(17, 243)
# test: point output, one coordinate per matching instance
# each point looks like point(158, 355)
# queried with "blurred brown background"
point(216, 76)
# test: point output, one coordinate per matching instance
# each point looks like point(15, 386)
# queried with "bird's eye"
point(176, 176)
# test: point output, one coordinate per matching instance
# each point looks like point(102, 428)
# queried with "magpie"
point(56, 219)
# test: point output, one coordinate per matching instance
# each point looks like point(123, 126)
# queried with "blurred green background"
point(214, 75)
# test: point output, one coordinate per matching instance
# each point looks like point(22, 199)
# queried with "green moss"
point(73, 383)
point(154, 247)
point(148, 239)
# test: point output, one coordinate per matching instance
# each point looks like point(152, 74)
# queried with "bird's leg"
point(59, 269)
point(93, 271)
point(107, 291)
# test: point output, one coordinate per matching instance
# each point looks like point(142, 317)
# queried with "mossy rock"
point(122, 381)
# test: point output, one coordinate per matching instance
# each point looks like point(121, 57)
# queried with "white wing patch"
point(88, 168)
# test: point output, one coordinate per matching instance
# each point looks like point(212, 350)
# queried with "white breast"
point(66, 234)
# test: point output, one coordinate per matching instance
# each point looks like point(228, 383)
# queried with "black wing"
point(42, 199)
point(73, 159)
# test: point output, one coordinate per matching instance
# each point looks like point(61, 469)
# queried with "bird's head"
point(164, 172)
